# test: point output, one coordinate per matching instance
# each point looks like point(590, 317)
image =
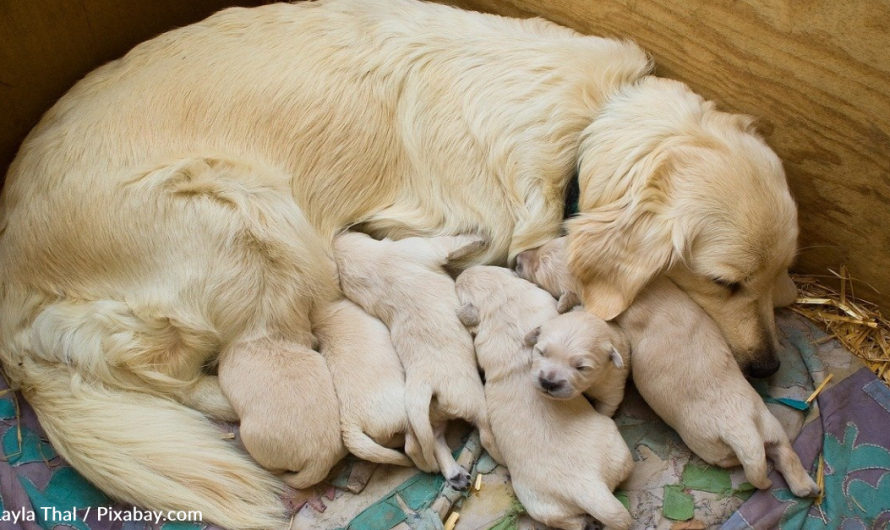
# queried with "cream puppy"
point(684, 369)
point(369, 381)
point(689, 390)
point(546, 266)
point(284, 395)
point(404, 284)
point(577, 352)
point(565, 459)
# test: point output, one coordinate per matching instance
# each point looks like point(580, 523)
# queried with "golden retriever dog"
point(184, 198)
point(564, 457)
point(686, 373)
point(404, 284)
point(284, 395)
point(547, 267)
point(577, 352)
point(370, 383)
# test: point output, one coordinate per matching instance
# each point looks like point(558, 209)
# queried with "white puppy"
point(565, 459)
point(369, 381)
point(684, 369)
point(404, 284)
point(284, 395)
point(700, 391)
point(577, 352)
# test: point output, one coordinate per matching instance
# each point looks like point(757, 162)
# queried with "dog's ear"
point(567, 301)
point(615, 356)
point(531, 338)
point(615, 249)
point(784, 290)
point(469, 315)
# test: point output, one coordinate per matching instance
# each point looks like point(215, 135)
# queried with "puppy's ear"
point(469, 315)
point(615, 356)
point(451, 249)
point(567, 301)
point(531, 338)
point(614, 250)
point(784, 290)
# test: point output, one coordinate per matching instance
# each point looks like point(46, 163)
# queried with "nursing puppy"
point(284, 395)
point(689, 390)
point(578, 352)
point(369, 381)
point(565, 459)
point(686, 373)
point(404, 284)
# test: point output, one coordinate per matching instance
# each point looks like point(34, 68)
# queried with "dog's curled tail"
point(364, 447)
point(152, 452)
point(418, 397)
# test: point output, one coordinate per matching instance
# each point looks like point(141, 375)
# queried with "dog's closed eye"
point(732, 286)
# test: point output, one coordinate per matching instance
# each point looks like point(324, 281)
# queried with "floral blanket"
point(848, 425)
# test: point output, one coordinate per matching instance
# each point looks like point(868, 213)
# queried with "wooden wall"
point(47, 45)
point(817, 75)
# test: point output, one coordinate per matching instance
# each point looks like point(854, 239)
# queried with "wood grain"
point(816, 73)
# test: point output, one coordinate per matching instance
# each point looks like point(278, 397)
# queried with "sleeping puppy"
point(565, 459)
point(369, 381)
point(686, 390)
point(577, 352)
point(284, 395)
point(546, 266)
point(404, 284)
point(700, 390)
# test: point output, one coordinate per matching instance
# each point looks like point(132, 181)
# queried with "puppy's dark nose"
point(549, 385)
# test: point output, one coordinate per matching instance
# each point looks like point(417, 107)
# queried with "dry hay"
point(857, 324)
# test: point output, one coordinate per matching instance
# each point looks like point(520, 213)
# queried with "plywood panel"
point(47, 45)
point(816, 73)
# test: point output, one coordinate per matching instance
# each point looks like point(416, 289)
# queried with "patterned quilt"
point(848, 426)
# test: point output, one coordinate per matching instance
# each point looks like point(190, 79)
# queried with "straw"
point(855, 323)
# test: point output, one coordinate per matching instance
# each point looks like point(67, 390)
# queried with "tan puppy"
point(577, 352)
point(370, 383)
point(284, 395)
point(686, 389)
point(404, 284)
point(684, 370)
point(565, 459)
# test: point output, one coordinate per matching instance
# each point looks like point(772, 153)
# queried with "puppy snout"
point(549, 385)
point(765, 363)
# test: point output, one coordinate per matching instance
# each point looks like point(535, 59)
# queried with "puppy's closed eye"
point(731, 286)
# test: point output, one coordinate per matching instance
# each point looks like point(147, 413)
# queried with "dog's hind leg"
point(599, 502)
point(454, 473)
point(486, 436)
point(751, 453)
point(414, 451)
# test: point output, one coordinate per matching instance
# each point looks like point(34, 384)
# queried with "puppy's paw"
point(807, 488)
point(459, 480)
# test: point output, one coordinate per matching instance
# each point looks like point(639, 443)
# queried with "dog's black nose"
point(763, 370)
point(549, 385)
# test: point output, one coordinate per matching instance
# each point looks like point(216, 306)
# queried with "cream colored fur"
point(404, 284)
point(184, 197)
point(284, 394)
point(565, 459)
point(370, 383)
point(686, 373)
point(578, 352)
point(671, 186)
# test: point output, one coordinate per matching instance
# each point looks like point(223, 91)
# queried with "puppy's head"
point(669, 185)
point(572, 350)
point(546, 267)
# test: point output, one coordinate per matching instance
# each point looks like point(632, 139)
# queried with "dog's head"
point(572, 350)
point(669, 185)
point(546, 267)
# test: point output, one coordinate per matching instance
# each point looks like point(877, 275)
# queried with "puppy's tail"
point(150, 451)
point(364, 447)
point(419, 396)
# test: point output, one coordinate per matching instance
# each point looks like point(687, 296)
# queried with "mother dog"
point(180, 202)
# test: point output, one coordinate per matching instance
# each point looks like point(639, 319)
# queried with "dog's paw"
point(808, 488)
point(460, 480)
